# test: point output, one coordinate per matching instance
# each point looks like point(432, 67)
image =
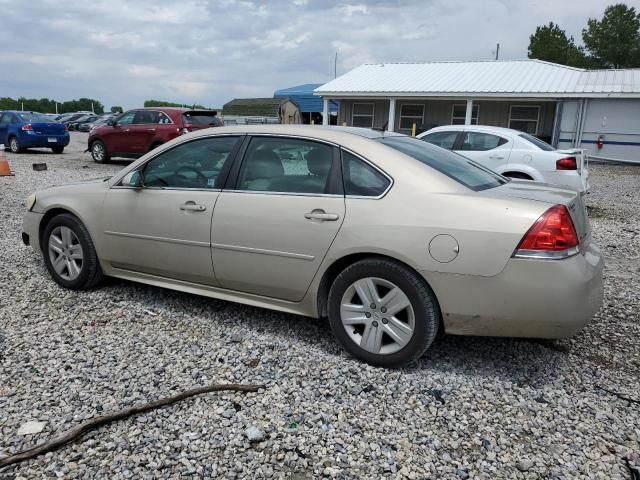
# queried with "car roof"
point(480, 128)
point(326, 132)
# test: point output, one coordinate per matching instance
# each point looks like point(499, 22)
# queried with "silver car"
point(391, 238)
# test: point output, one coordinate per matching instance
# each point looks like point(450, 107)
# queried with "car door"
point(487, 149)
point(273, 227)
point(117, 137)
point(4, 126)
point(142, 131)
point(164, 227)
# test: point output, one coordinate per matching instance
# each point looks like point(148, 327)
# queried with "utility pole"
point(335, 66)
point(23, 106)
point(56, 108)
point(92, 110)
point(497, 51)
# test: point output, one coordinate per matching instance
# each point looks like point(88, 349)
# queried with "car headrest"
point(264, 164)
point(319, 161)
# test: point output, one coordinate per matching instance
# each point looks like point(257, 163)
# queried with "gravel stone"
point(484, 407)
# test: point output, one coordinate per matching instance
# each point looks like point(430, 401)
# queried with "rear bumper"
point(31, 229)
point(529, 298)
point(570, 178)
point(42, 140)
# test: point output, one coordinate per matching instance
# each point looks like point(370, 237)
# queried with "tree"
point(614, 41)
point(162, 103)
point(116, 109)
point(550, 43)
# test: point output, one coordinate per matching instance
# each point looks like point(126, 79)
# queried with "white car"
point(514, 154)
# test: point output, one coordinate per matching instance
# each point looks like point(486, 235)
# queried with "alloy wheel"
point(377, 315)
point(14, 146)
point(65, 253)
point(98, 151)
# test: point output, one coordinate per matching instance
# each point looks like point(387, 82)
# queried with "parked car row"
point(20, 130)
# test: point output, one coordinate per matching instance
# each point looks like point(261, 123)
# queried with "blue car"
point(20, 130)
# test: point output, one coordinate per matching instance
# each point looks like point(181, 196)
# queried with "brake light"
point(552, 236)
point(568, 163)
point(27, 128)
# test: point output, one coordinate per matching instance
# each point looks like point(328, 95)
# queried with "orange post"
point(5, 170)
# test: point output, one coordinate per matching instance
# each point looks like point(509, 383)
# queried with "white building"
point(570, 107)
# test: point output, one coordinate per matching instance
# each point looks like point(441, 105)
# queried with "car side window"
point(480, 142)
point(4, 117)
point(195, 164)
point(163, 118)
point(361, 179)
point(442, 139)
point(126, 119)
point(286, 165)
point(143, 117)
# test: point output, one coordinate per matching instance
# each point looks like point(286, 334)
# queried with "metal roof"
point(509, 78)
point(304, 97)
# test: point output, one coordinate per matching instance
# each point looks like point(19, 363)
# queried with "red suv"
point(136, 132)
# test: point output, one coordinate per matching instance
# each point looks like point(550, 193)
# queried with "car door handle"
point(193, 207)
point(496, 157)
point(321, 215)
point(151, 129)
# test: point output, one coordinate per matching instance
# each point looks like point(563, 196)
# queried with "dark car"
point(20, 130)
point(73, 125)
point(88, 126)
point(139, 131)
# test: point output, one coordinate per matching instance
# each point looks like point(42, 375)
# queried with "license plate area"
point(52, 140)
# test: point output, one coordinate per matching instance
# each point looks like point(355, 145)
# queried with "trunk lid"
point(49, 128)
point(551, 195)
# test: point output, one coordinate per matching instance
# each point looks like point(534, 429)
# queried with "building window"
point(410, 114)
point(362, 115)
point(459, 114)
point(525, 118)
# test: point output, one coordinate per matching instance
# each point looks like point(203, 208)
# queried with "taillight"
point(552, 236)
point(568, 163)
point(27, 128)
point(66, 127)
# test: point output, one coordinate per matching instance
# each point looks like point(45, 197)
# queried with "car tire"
point(99, 152)
point(403, 335)
point(69, 253)
point(518, 176)
point(57, 149)
point(14, 145)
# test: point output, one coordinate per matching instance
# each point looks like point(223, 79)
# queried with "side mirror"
point(133, 179)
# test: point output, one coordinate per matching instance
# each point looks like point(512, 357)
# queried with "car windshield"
point(34, 117)
point(537, 142)
point(461, 169)
point(202, 118)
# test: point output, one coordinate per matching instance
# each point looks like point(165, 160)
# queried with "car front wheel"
point(69, 253)
point(99, 152)
point(383, 312)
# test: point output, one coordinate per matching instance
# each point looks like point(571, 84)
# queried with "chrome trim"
point(158, 239)
point(126, 187)
point(544, 255)
point(289, 194)
point(375, 167)
point(276, 253)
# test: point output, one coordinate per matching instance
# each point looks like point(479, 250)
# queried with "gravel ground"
point(470, 408)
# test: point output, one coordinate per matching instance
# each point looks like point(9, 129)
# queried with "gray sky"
point(124, 52)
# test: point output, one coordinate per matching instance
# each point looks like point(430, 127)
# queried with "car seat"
point(262, 168)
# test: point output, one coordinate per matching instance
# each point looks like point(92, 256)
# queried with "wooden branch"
point(619, 395)
point(74, 433)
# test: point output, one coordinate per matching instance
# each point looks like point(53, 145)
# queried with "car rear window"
point(461, 169)
point(202, 118)
point(34, 117)
point(537, 142)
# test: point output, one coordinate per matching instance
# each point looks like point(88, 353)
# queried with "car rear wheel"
point(57, 149)
point(99, 152)
point(382, 312)
point(14, 145)
point(69, 253)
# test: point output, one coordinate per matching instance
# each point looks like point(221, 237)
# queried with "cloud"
point(195, 51)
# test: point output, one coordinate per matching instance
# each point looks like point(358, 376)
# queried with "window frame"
point(477, 117)
point(373, 113)
point(372, 165)
point(525, 119)
point(402, 105)
point(134, 112)
point(502, 140)
point(334, 181)
point(456, 142)
point(221, 180)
